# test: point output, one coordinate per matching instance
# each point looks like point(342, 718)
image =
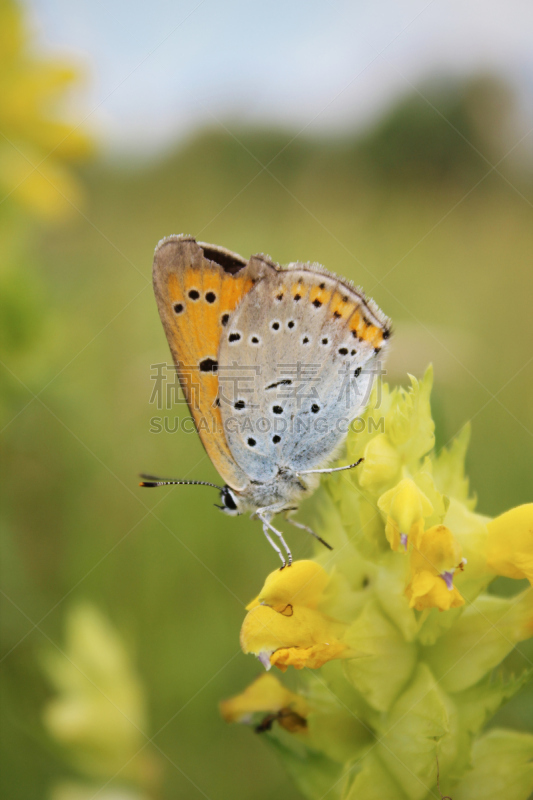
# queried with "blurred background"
point(390, 142)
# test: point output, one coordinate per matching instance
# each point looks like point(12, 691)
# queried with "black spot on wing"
point(208, 365)
point(284, 382)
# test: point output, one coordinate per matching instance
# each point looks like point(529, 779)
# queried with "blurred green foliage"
point(410, 211)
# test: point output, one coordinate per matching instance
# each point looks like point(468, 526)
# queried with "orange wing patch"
point(298, 290)
point(319, 295)
point(340, 307)
point(195, 297)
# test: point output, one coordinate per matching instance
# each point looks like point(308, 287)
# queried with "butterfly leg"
point(274, 545)
point(309, 530)
point(266, 527)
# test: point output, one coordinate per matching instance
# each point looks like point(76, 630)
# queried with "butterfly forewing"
point(196, 296)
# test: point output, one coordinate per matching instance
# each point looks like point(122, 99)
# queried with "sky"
point(156, 71)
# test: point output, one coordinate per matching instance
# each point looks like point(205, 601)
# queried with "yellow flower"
point(284, 627)
point(510, 543)
point(410, 691)
point(406, 506)
point(433, 564)
point(35, 142)
point(267, 694)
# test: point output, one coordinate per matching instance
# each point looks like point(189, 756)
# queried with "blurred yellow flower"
point(510, 543)
point(433, 564)
point(284, 627)
point(98, 712)
point(35, 143)
point(406, 506)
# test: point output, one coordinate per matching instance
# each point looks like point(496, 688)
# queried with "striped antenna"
point(150, 481)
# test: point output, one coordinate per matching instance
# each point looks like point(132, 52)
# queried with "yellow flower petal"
point(510, 543)
point(311, 657)
point(381, 464)
point(302, 583)
point(406, 506)
point(437, 550)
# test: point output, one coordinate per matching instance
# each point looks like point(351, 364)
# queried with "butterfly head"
point(230, 502)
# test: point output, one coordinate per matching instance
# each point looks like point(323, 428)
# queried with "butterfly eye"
point(228, 500)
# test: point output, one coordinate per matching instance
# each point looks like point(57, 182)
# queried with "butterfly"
point(274, 362)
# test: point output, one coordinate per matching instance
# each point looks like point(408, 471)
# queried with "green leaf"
point(475, 707)
point(417, 732)
point(434, 623)
point(502, 768)
point(449, 469)
point(386, 660)
point(487, 631)
point(391, 580)
point(374, 782)
point(313, 772)
point(337, 733)
point(409, 424)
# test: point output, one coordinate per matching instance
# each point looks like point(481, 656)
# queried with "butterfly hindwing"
point(198, 287)
point(310, 342)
